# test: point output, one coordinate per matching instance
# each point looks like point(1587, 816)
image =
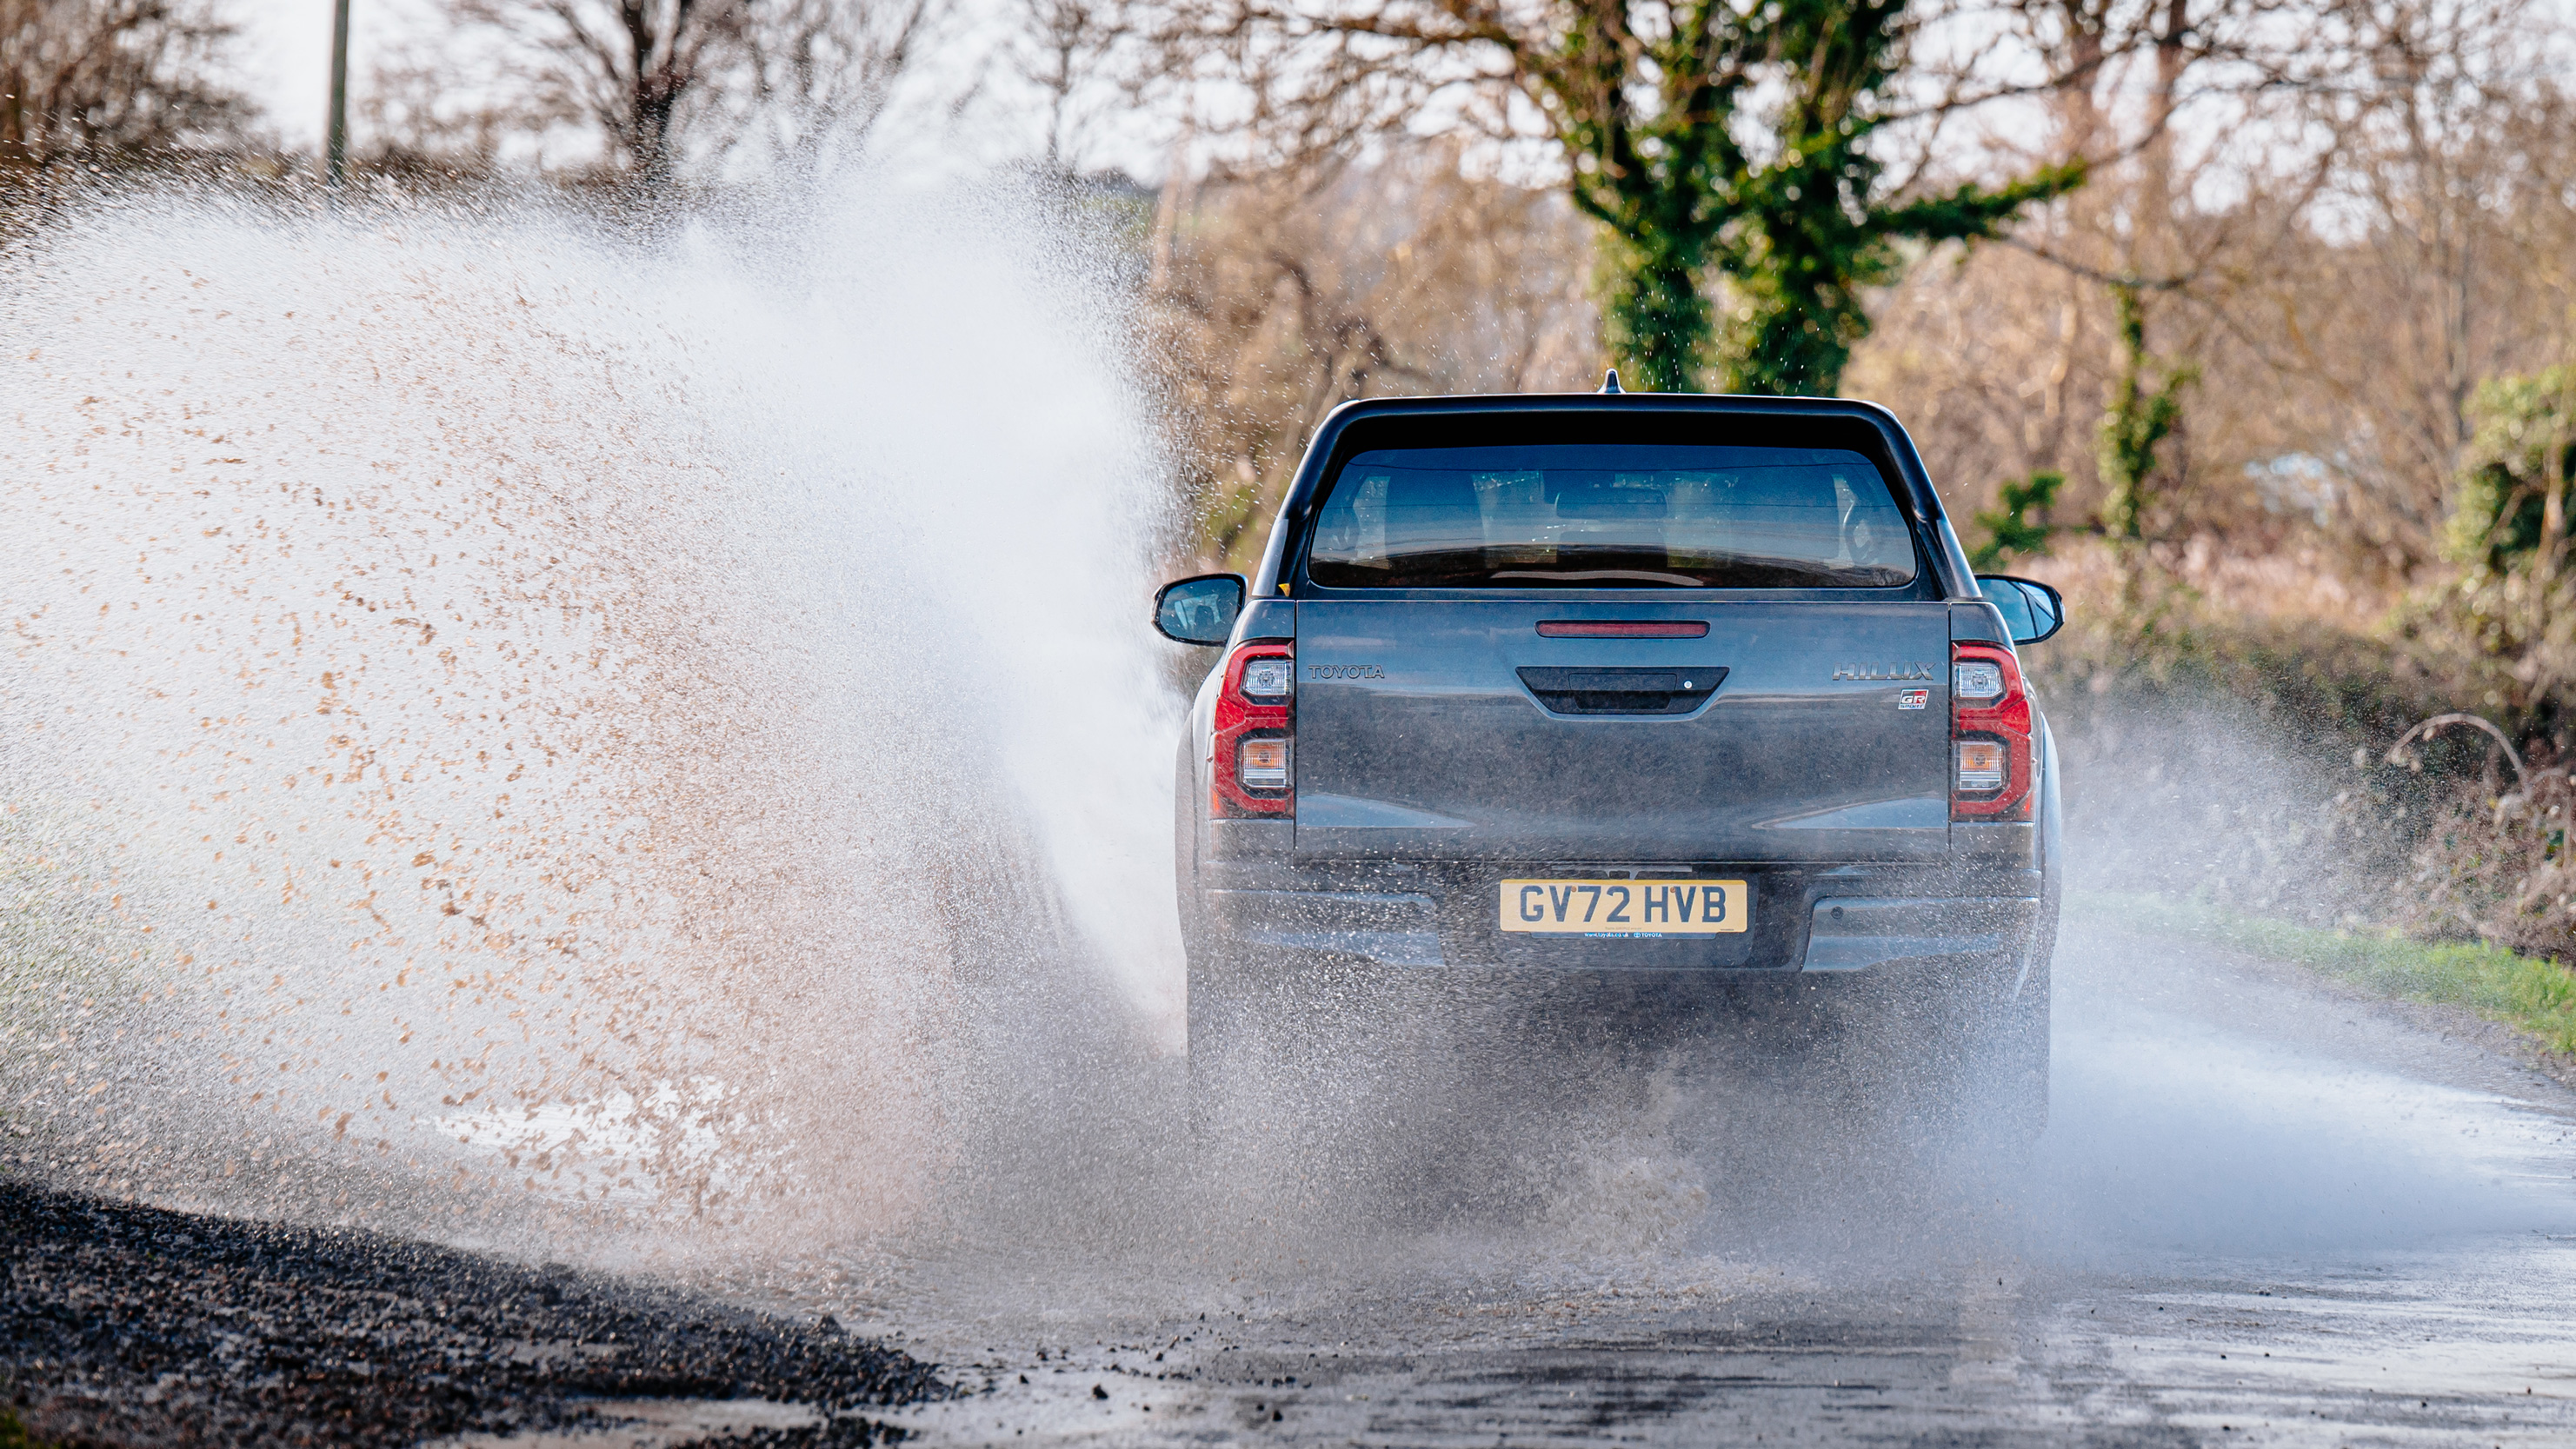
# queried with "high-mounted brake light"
point(1623, 628)
point(1992, 773)
point(1248, 772)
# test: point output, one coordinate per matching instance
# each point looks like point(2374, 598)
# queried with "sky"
point(285, 57)
point(283, 60)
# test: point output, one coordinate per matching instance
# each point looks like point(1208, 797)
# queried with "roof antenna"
point(1610, 381)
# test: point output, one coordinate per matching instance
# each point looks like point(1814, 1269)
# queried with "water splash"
point(500, 713)
point(514, 705)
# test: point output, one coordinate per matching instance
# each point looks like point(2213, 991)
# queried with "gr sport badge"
point(1883, 671)
point(1913, 698)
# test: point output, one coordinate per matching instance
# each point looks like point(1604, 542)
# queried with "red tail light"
point(1253, 774)
point(1990, 754)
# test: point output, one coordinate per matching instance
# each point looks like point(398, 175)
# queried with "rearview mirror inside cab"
point(2032, 610)
point(1199, 610)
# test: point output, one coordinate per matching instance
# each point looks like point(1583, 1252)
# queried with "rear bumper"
point(1840, 919)
point(1398, 928)
point(1858, 933)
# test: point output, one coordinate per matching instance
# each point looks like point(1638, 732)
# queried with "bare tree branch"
point(101, 77)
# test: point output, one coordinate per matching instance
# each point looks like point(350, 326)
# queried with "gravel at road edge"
point(128, 1325)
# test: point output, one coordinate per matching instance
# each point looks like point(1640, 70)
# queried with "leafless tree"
point(112, 77)
point(1272, 301)
point(661, 83)
point(633, 69)
point(415, 125)
point(820, 74)
point(2439, 155)
point(1065, 52)
point(2343, 305)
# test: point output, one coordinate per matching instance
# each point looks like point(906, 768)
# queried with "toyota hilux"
point(1622, 682)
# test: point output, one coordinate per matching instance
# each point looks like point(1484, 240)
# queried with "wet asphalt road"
point(2265, 1213)
point(2420, 1349)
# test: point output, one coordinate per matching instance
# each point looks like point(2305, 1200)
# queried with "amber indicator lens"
point(1264, 762)
point(1981, 764)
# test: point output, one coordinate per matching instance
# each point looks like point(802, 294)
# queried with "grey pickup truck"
point(1622, 682)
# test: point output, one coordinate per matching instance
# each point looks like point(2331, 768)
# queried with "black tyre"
point(1217, 1026)
point(1212, 1011)
point(1943, 1059)
point(2013, 1078)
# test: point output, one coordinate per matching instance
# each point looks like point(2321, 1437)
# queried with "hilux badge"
point(1883, 671)
point(1913, 698)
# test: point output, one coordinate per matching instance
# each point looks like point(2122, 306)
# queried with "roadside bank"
point(2533, 998)
point(122, 1324)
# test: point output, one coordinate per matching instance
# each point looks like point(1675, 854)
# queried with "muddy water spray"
point(491, 702)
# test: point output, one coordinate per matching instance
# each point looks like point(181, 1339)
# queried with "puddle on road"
point(2214, 1189)
point(654, 1424)
point(2251, 1129)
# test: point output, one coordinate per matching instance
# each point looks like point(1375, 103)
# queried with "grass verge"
point(14, 1435)
point(2532, 995)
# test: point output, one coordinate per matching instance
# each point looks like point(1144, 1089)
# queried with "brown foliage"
point(1272, 302)
point(102, 80)
point(659, 83)
point(633, 69)
point(2495, 863)
point(2341, 301)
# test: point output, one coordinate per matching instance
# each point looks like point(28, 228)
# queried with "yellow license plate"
point(1627, 907)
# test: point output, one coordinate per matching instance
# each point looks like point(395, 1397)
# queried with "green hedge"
point(2531, 994)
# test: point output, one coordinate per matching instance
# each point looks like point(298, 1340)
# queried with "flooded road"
point(575, 807)
point(2264, 1212)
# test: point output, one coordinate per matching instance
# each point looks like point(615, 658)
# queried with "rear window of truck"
point(1596, 516)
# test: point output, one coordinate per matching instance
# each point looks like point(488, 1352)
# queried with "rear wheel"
point(1985, 1085)
point(2015, 1065)
point(1217, 1028)
point(1930, 1062)
point(1210, 1010)
point(1286, 1025)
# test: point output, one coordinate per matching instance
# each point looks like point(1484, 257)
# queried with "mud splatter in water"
point(494, 705)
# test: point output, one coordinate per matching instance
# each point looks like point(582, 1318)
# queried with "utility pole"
point(335, 136)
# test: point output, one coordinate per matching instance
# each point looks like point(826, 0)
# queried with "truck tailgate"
point(1457, 729)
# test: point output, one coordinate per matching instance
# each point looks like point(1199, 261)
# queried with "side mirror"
point(2032, 610)
point(1199, 610)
